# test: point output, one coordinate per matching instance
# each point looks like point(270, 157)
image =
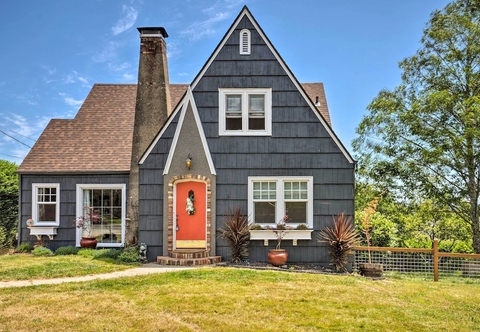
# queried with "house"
point(164, 163)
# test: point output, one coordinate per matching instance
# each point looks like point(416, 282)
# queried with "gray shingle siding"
point(68, 186)
point(299, 146)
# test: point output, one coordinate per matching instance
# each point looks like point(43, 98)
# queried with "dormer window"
point(245, 47)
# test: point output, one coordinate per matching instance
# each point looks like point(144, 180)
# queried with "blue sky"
point(54, 51)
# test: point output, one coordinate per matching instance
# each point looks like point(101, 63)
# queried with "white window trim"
point(280, 206)
point(79, 210)
point(55, 222)
point(222, 131)
point(248, 41)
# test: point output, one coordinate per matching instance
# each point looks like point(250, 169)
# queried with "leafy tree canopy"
point(423, 138)
point(8, 203)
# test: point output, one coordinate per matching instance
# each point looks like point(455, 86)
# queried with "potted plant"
point(370, 270)
point(279, 256)
point(85, 223)
point(340, 240)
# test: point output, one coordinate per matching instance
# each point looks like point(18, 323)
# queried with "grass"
point(26, 266)
point(229, 299)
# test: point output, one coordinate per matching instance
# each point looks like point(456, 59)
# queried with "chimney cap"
point(153, 32)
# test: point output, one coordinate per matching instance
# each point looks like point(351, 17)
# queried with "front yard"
point(230, 299)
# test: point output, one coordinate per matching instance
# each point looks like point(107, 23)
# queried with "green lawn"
point(229, 299)
point(27, 266)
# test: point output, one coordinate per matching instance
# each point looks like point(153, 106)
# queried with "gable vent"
point(245, 42)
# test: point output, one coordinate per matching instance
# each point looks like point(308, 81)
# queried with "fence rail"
point(427, 262)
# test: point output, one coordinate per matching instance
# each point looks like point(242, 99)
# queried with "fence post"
point(435, 260)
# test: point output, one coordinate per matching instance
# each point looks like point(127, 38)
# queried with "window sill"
point(38, 231)
point(291, 234)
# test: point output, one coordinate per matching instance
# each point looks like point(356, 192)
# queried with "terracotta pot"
point(370, 270)
point(88, 242)
point(277, 257)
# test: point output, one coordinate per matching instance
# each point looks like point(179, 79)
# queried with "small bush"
point(236, 233)
point(24, 247)
point(42, 251)
point(111, 253)
point(129, 255)
point(63, 251)
point(340, 240)
point(88, 253)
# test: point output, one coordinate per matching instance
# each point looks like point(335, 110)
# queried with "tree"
point(423, 138)
point(8, 203)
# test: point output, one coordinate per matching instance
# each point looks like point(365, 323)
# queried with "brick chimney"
point(151, 109)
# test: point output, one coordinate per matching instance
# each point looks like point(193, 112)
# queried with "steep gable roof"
point(308, 98)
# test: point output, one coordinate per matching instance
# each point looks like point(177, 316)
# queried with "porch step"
point(163, 260)
point(188, 257)
point(188, 253)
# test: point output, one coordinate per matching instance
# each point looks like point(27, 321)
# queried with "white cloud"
point(69, 100)
point(109, 52)
point(119, 67)
point(75, 77)
point(200, 29)
point(129, 77)
point(127, 21)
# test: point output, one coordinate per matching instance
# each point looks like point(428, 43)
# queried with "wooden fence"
point(424, 260)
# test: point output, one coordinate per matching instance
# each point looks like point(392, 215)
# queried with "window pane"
point(264, 190)
point(256, 112)
point(233, 112)
point(295, 190)
point(47, 212)
point(264, 212)
point(106, 214)
point(297, 211)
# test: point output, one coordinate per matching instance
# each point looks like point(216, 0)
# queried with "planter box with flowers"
point(266, 233)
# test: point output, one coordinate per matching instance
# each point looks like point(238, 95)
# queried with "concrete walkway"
point(137, 271)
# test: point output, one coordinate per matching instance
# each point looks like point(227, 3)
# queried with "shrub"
point(88, 252)
point(301, 227)
point(237, 234)
point(112, 253)
point(129, 255)
point(340, 240)
point(63, 251)
point(42, 251)
point(24, 247)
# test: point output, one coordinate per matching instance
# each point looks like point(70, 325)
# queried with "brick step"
point(164, 260)
point(188, 253)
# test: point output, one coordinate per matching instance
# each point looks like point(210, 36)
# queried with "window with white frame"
point(245, 112)
point(104, 207)
point(271, 198)
point(245, 45)
point(46, 204)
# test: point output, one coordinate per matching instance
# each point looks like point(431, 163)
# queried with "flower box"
point(291, 234)
point(38, 231)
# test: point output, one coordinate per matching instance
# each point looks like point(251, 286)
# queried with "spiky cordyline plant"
point(236, 232)
point(340, 240)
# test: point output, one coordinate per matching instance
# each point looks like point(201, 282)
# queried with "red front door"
point(191, 214)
